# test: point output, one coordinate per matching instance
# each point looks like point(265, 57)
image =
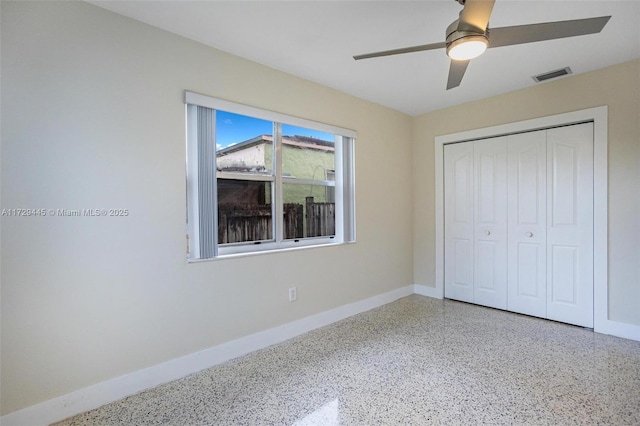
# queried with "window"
point(259, 180)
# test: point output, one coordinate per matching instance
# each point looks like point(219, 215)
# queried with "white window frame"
point(344, 182)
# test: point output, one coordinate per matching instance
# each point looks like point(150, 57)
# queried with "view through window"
point(256, 183)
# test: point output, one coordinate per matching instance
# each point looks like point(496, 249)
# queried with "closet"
point(518, 223)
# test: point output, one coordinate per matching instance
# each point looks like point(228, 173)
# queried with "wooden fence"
point(237, 223)
point(240, 223)
point(321, 218)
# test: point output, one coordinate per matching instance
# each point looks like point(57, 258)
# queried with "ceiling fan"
point(469, 36)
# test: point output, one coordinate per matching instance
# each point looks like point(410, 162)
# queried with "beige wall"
point(619, 88)
point(93, 117)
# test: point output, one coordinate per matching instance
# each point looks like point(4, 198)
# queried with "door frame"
point(599, 117)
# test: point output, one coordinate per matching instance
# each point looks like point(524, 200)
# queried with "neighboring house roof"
point(249, 156)
point(297, 141)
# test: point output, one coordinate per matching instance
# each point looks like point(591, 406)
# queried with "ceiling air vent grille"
point(552, 74)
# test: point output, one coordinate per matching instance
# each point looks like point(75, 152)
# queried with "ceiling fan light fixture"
point(468, 47)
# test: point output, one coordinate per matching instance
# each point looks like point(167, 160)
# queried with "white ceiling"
point(316, 40)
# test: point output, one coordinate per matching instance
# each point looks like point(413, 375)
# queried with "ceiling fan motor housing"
point(455, 33)
point(457, 36)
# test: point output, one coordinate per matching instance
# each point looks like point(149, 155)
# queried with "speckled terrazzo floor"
point(415, 361)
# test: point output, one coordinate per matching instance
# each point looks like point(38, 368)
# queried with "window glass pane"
point(307, 213)
point(331, 190)
point(307, 153)
point(244, 211)
point(233, 183)
point(243, 144)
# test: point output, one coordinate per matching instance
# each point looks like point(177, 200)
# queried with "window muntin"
point(299, 173)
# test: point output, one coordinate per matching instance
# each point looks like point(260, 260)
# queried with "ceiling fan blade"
point(519, 34)
point(400, 51)
point(475, 15)
point(456, 72)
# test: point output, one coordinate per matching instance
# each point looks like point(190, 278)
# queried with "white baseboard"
point(613, 328)
point(424, 290)
point(618, 329)
point(95, 396)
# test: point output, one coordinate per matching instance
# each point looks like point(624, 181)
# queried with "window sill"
point(267, 252)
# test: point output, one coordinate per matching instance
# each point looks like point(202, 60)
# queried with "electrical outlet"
point(293, 294)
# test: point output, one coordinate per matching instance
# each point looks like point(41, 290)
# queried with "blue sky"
point(234, 128)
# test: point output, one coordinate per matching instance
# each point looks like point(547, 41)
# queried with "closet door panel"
point(570, 224)
point(490, 230)
point(527, 194)
point(458, 211)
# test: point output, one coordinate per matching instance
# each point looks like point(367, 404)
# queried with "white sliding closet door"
point(570, 224)
point(458, 210)
point(527, 223)
point(476, 222)
point(490, 222)
point(519, 223)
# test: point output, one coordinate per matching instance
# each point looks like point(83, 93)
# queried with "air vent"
point(552, 74)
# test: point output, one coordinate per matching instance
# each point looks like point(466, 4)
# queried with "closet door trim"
point(598, 116)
